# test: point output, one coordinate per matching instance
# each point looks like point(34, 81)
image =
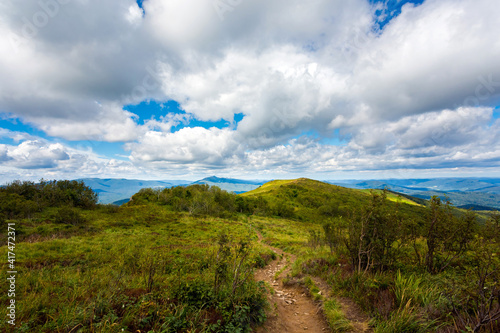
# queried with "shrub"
point(13, 205)
point(333, 230)
point(55, 193)
point(69, 215)
point(110, 208)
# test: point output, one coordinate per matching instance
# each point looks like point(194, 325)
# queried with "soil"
point(292, 309)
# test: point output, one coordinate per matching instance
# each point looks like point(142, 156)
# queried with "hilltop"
point(307, 199)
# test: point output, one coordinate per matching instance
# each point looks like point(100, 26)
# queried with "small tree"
point(439, 216)
point(447, 236)
point(222, 262)
point(232, 268)
point(372, 232)
point(333, 230)
point(491, 230)
point(484, 297)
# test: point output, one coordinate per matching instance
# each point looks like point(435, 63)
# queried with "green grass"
point(142, 268)
point(267, 187)
point(313, 289)
point(335, 317)
point(396, 198)
point(333, 311)
point(404, 319)
point(314, 201)
point(288, 235)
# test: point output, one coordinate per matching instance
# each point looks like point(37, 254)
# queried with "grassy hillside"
point(311, 200)
point(140, 268)
point(137, 269)
point(396, 197)
point(182, 259)
point(413, 267)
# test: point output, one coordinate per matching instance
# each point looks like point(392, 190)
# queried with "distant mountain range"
point(474, 193)
point(118, 191)
point(231, 185)
point(113, 190)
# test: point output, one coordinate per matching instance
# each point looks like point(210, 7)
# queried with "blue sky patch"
point(16, 125)
point(392, 8)
point(220, 124)
point(107, 149)
point(496, 113)
point(148, 110)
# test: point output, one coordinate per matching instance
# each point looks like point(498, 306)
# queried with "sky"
point(183, 89)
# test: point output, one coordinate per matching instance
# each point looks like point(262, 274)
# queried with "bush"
point(13, 206)
point(283, 209)
point(110, 208)
point(24, 198)
point(68, 215)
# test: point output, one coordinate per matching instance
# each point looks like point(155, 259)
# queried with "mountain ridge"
point(476, 192)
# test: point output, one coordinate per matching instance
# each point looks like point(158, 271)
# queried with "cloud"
point(466, 137)
point(86, 51)
point(447, 128)
point(426, 60)
point(186, 146)
point(16, 136)
point(4, 154)
point(110, 123)
point(439, 55)
point(34, 155)
point(35, 158)
point(418, 93)
point(283, 92)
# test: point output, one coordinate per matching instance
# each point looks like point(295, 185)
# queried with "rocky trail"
point(292, 309)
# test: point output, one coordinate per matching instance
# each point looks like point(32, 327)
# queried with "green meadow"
point(182, 259)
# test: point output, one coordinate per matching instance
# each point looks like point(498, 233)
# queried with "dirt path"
point(292, 310)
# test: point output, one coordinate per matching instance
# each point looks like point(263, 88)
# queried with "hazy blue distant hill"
point(120, 202)
point(111, 190)
point(215, 179)
point(468, 192)
point(473, 193)
point(118, 191)
point(231, 184)
point(477, 207)
point(469, 200)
